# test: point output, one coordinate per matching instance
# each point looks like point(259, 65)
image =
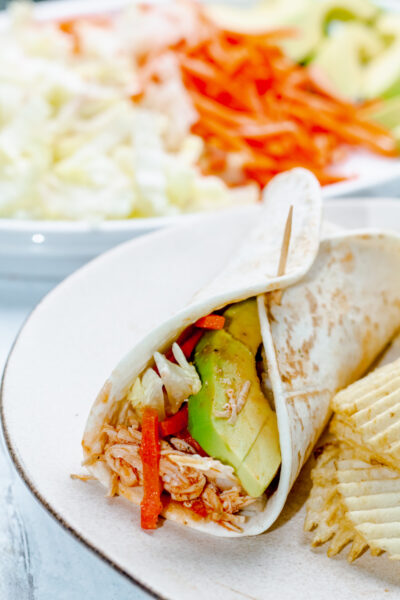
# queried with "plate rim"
point(50, 510)
point(149, 224)
point(12, 450)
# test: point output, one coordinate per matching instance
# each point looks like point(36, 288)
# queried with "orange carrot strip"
point(150, 506)
point(211, 322)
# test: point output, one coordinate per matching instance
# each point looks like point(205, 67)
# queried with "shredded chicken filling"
point(232, 409)
point(202, 484)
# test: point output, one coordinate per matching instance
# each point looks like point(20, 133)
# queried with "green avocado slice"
point(387, 113)
point(250, 444)
point(243, 324)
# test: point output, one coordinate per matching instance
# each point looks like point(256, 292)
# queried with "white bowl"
point(54, 249)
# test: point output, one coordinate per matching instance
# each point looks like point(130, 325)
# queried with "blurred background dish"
point(73, 183)
point(355, 43)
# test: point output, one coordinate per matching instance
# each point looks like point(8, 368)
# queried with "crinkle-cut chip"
point(341, 428)
point(368, 414)
point(371, 497)
point(325, 512)
point(350, 399)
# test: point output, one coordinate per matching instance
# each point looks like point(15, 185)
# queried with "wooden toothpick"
point(285, 243)
point(284, 251)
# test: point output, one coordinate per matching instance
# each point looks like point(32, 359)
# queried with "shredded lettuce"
point(148, 392)
point(180, 380)
point(73, 145)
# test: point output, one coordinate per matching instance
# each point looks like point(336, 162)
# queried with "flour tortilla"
point(323, 335)
point(320, 334)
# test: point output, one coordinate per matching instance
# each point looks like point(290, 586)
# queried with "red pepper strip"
point(187, 346)
point(190, 344)
point(150, 506)
point(174, 424)
point(185, 435)
point(185, 335)
point(211, 322)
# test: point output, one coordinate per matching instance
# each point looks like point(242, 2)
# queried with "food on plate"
point(229, 415)
point(195, 438)
point(209, 418)
point(356, 481)
point(158, 111)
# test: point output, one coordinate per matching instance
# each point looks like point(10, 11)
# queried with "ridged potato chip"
point(368, 414)
point(325, 511)
point(371, 497)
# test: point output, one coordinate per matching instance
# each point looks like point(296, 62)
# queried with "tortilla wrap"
point(319, 335)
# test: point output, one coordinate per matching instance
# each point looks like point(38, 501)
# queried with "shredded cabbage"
point(73, 145)
point(148, 392)
point(180, 380)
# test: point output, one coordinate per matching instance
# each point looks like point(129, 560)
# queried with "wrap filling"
point(197, 428)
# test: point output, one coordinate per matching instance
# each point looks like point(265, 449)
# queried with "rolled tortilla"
point(324, 334)
point(320, 334)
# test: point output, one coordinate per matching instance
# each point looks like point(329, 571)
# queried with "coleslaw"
point(73, 144)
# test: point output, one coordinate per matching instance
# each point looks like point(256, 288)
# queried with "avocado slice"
point(251, 443)
point(382, 75)
point(323, 17)
point(388, 113)
point(351, 46)
point(243, 324)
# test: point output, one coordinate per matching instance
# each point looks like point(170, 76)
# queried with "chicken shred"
point(202, 484)
point(235, 404)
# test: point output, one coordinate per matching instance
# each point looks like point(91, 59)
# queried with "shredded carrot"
point(259, 113)
point(150, 454)
point(273, 114)
point(69, 26)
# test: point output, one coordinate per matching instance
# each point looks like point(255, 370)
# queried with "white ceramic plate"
point(64, 353)
point(52, 250)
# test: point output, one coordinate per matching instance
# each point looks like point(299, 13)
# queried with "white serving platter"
point(52, 250)
point(62, 356)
